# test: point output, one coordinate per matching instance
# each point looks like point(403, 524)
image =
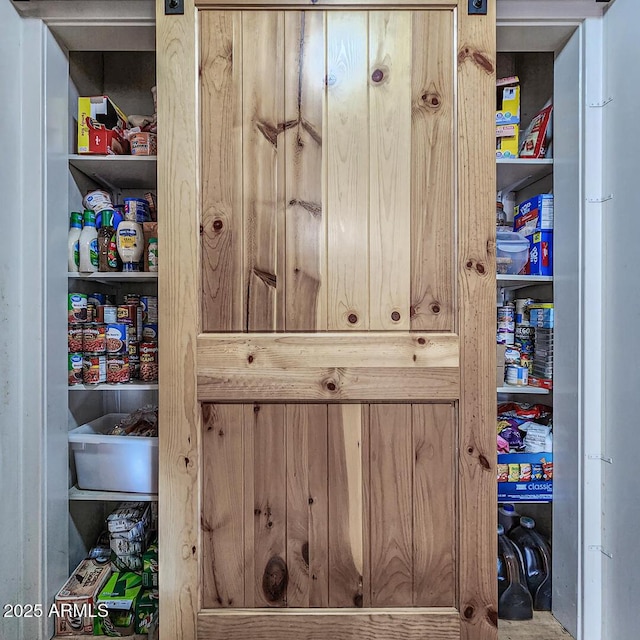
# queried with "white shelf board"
point(515, 174)
point(124, 172)
point(516, 282)
point(116, 276)
point(135, 385)
point(113, 496)
point(538, 391)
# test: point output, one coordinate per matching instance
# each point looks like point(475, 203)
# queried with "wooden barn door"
point(327, 282)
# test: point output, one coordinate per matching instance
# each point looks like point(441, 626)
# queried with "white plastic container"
point(114, 463)
point(512, 252)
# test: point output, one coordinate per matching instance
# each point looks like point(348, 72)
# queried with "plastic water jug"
point(536, 552)
point(514, 599)
point(508, 517)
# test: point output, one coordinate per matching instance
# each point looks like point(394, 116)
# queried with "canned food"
point(133, 348)
point(91, 313)
point(96, 299)
point(94, 368)
point(516, 375)
point(77, 308)
point(526, 361)
point(136, 210)
point(505, 337)
point(149, 361)
point(94, 337)
point(149, 309)
point(97, 200)
point(507, 314)
point(522, 310)
point(110, 313)
point(132, 298)
point(75, 338)
point(75, 369)
point(150, 333)
point(512, 356)
point(118, 369)
point(117, 338)
point(134, 366)
point(127, 313)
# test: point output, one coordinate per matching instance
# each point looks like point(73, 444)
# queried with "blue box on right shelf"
point(541, 252)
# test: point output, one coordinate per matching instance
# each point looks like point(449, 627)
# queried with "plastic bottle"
point(108, 253)
point(73, 249)
point(88, 243)
point(508, 517)
point(536, 553)
point(130, 243)
point(514, 599)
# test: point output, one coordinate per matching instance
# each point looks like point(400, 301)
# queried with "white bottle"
point(88, 243)
point(130, 243)
point(73, 250)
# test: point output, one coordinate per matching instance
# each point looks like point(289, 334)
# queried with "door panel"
point(327, 320)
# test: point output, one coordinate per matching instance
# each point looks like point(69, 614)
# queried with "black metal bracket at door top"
point(173, 7)
point(478, 7)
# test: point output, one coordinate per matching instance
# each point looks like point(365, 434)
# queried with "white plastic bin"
point(114, 463)
point(512, 252)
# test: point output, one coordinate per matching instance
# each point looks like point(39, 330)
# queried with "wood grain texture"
point(249, 418)
point(433, 146)
point(178, 290)
point(439, 624)
point(263, 161)
point(306, 263)
point(346, 552)
point(389, 169)
point(270, 505)
point(322, 5)
point(434, 495)
point(328, 384)
point(476, 284)
point(222, 519)
point(368, 349)
point(307, 506)
point(391, 504)
point(221, 158)
point(347, 140)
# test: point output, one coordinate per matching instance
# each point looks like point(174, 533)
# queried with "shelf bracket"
point(600, 548)
point(603, 103)
point(600, 200)
point(599, 456)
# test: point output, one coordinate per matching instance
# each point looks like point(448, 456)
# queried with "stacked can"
point(149, 344)
point(506, 324)
point(542, 321)
point(524, 338)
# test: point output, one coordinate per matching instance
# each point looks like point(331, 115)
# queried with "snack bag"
point(514, 473)
point(503, 473)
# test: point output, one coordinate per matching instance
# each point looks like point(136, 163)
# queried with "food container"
point(114, 463)
point(118, 371)
point(517, 375)
point(110, 313)
point(94, 338)
point(75, 369)
point(149, 361)
point(144, 144)
point(74, 335)
point(77, 308)
point(96, 299)
point(117, 338)
point(150, 333)
point(512, 253)
point(94, 368)
point(136, 210)
point(149, 309)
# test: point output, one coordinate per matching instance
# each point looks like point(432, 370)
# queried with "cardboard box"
point(500, 351)
point(147, 611)
point(143, 144)
point(508, 101)
point(120, 595)
point(541, 253)
point(100, 126)
point(80, 593)
point(535, 213)
point(507, 141)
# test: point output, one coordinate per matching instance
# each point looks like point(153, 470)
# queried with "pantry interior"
point(548, 49)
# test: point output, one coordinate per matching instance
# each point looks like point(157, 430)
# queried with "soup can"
point(132, 298)
point(149, 309)
point(117, 339)
point(94, 338)
point(118, 371)
point(149, 333)
point(94, 368)
point(127, 313)
point(75, 369)
point(134, 365)
point(77, 308)
point(522, 310)
point(75, 338)
point(96, 299)
point(149, 361)
point(110, 313)
point(517, 375)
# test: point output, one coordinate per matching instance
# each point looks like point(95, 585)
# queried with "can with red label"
point(127, 313)
point(94, 368)
point(149, 361)
point(94, 338)
point(74, 334)
point(118, 369)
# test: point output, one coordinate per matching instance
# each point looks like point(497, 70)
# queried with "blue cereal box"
point(541, 253)
point(508, 103)
point(533, 214)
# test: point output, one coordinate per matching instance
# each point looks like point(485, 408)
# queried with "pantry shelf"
point(514, 174)
point(117, 276)
point(528, 390)
point(129, 386)
point(125, 172)
point(517, 282)
point(110, 496)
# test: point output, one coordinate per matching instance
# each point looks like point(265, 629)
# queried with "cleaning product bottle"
point(73, 249)
point(88, 243)
point(536, 553)
point(108, 253)
point(514, 599)
point(508, 517)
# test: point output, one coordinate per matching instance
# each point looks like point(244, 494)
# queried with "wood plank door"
point(327, 403)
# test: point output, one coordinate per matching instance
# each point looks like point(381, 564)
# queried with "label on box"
point(535, 213)
point(541, 253)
